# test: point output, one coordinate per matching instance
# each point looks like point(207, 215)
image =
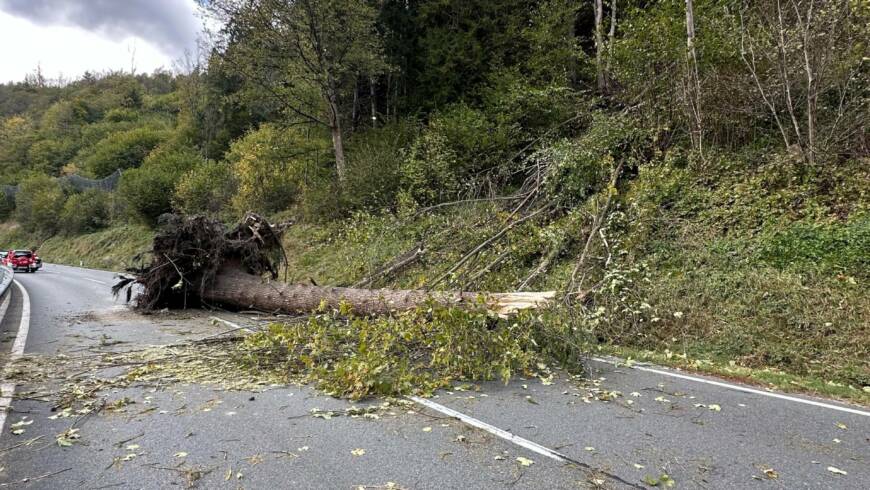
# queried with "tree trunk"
point(693, 92)
point(374, 102)
point(232, 286)
point(611, 36)
point(337, 143)
point(812, 94)
point(354, 109)
point(599, 44)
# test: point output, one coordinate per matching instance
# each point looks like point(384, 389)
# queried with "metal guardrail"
point(6, 281)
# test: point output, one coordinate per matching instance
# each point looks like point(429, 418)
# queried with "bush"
point(49, 155)
point(86, 212)
point(513, 99)
point(207, 188)
point(121, 114)
point(38, 204)
point(451, 154)
point(580, 167)
point(147, 191)
point(123, 150)
point(271, 164)
point(374, 163)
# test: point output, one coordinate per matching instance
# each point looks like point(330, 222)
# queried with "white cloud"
point(68, 48)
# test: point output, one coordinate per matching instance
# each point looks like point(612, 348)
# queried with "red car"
point(24, 260)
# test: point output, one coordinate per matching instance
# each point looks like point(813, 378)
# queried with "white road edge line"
point(730, 386)
point(7, 390)
point(519, 441)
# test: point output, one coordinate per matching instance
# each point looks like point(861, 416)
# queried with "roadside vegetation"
point(697, 196)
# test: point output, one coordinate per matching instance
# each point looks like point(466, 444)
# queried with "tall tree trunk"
point(338, 148)
point(354, 110)
point(812, 95)
point(572, 35)
point(611, 36)
point(232, 286)
point(374, 101)
point(693, 92)
point(599, 44)
point(337, 140)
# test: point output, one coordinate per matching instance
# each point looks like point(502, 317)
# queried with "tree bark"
point(232, 286)
point(337, 140)
point(374, 102)
point(812, 94)
point(611, 36)
point(599, 44)
point(694, 83)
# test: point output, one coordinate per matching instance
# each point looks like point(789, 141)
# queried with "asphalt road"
point(621, 428)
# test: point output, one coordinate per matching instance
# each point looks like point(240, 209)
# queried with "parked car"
point(24, 260)
point(3, 255)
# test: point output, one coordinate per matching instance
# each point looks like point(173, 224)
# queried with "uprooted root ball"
point(188, 253)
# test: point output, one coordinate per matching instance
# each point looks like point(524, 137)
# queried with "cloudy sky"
point(70, 37)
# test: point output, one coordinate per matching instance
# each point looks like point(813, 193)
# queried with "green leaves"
point(413, 352)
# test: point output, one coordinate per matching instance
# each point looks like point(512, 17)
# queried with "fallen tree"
point(198, 261)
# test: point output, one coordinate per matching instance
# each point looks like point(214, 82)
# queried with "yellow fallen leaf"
point(427, 429)
point(842, 426)
point(525, 461)
point(358, 452)
point(836, 471)
point(180, 454)
point(132, 447)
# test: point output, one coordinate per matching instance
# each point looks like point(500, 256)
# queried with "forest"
point(691, 176)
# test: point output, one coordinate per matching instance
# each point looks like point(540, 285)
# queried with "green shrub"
point(121, 114)
point(577, 168)
point(86, 212)
point(453, 152)
point(123, 150)
point(38, 204)
point(207, 188)
point(49, 155)
point(65, 117)
point(271, 164)
point(374, 163)
point(512, 99)
point(147, 191)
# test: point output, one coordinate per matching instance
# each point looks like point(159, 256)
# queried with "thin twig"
point(486, 243)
